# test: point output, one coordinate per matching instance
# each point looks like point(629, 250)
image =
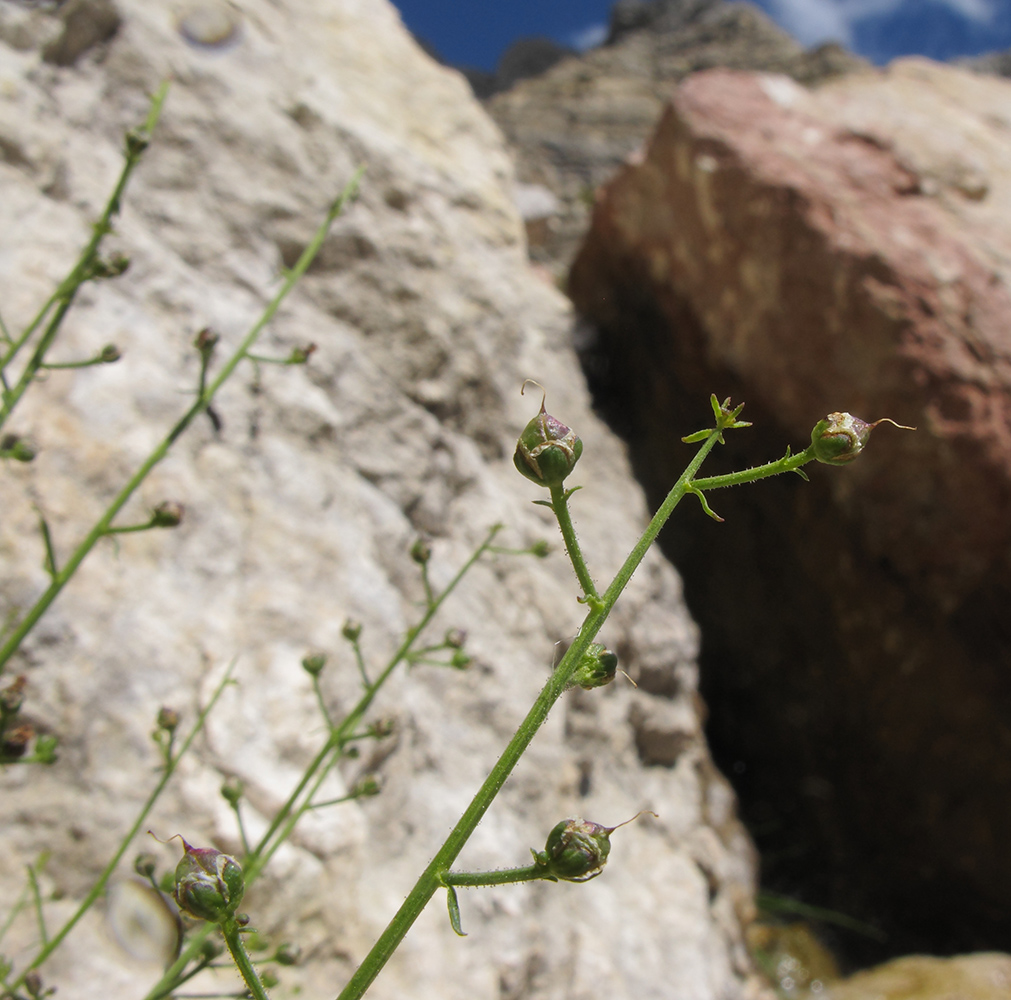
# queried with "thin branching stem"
point(99, 887)
point(82, 270)
point(104, 524)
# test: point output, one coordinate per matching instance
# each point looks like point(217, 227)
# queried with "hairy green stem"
point(556, 684)
point(560, 506)
point(230, 931)
point(104, 524)
point(788, 463)
point(504, 876)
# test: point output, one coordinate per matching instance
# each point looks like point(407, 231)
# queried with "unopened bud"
point(168, 514)
point(145, 865)
point(381, 728)
point(33, 985)
point(300, 355)
point(460, 660)
point(455, 638)
point(547, 450)
point(45, 749)
point(12, 697)
point(208, 884)
point(576, 850)
point(541, 549)
point(597, 667)
point(13, 446)
point(108, 354)
point(421, 551)
point(366, 787)
point(840, 437)
point(168, 719)
point(231, 791)
point(313, 663)
point(14, 742)
point(351, 630)
point(205, 341)
point(109, 267)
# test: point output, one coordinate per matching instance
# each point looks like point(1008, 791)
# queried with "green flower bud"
point(208, 884)
point(168, 719)
point(421, 551)
point(145, 865)
point(205, 342)
point(13, 446)
point(840, 437)
point(109, 354)
point(576, 850)
point(460, 660)
point(351, 630)
point(597, 667)
point(231, 791)
point(168, 514)
point(45, 749)
point(547, 450)
point(287, 954)
point(540, 549)
point(300, 355)
point(313, 663)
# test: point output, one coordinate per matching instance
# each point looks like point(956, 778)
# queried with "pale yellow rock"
point(985, 976)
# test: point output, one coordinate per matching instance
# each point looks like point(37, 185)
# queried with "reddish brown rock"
point(848, 249)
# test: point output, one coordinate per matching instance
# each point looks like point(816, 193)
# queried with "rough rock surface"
point(573, 127)
point(809, 252)
point(301, 508)
point(920, 977)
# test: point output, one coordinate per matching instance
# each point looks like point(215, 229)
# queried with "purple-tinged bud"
point(455, 638)
point(840, 437)
point(168, 514)
point(313, 663)
point(597, 667)
point(351, 630)
point(168, 719)
point(205, 341)
point(208, 884)
point(33, 985)
point(547, 450)
point(576, 850)
point(300, 355)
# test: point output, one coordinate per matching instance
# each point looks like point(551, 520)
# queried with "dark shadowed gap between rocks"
point(780, 674)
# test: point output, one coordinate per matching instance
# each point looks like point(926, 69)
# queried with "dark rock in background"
point(845, 249)
point(572, 127)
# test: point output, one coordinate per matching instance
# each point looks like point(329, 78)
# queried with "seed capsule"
point(547, 450)
point(209, 885)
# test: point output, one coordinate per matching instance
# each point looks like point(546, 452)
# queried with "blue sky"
point(475, 32)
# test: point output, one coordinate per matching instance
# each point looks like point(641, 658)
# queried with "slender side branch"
point(104, 524)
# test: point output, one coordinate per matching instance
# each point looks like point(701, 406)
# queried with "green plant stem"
point(788, 463)
point(556, 684)
point(79, 273)
point(560, 505)
point(230, 931)
point(104, 524)
point(288, 815)
point(504, 876)
point(99, 887)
